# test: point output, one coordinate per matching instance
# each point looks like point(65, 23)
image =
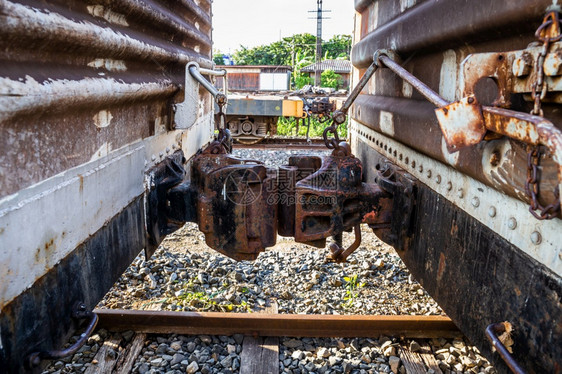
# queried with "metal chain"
point(540, 88)
point(224, 137)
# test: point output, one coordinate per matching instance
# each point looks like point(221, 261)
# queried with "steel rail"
point(256, 324)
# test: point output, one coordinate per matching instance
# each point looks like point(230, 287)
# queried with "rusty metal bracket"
point(187, 112)
point(79, 312)
point(464, 115)
point(397, 227)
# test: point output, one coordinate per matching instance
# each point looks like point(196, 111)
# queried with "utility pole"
point(319, 18)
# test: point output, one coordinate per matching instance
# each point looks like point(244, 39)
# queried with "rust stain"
point(441, 268)
point(517, 291)
point(454, 230)
point(81, 188)
point(49, 244)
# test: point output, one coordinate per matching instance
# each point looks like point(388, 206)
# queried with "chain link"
point(224, 137)
point(540, 88)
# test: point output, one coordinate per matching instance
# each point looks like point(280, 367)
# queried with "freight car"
point(251, 118)
point(466, 100)
point(108, 145)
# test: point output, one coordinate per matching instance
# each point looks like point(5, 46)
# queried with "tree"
point(330, 79)
point(284, 52)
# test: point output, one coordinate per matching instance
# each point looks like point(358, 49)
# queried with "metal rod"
point(421, 87)
point(195, 72)
point(276, 324)
point(216, 73)
point(491, 333)
point(34, 359)
point(359, 87)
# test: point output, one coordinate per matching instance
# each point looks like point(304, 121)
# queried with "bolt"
point(512, 223)
point(475, 202)
point(470, 100)
point(429, 173)
point(449, 186)
point(438, 179)
point(522, 65)
point(421, 168)
point(460, 193)
point(492, 212)
point(536, 238)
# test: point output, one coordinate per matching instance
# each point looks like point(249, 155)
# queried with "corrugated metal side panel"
point(81, 78)
point(433, 52)
point(86, 94)
point(243, 81)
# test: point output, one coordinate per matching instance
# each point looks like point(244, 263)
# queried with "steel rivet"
point(167, 149)
point(438, 179)
point(492, 211)
point(512, 223)
point(161, 154)
point(460, 193)
point(449, 186)
point(153, 157)
point(421, 169)
point(536, 237)
point(475, 202)
point(429, 173)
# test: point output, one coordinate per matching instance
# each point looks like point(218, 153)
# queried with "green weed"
point(288, 126)
point(352, 289)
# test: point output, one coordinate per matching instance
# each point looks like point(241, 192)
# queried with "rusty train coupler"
point(242, 205)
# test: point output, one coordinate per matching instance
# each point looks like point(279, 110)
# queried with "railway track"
point(262, 347)
point(270, 324)
point(284, 143)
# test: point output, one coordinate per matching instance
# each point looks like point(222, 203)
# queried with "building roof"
point(233, 67)
point(337, 66)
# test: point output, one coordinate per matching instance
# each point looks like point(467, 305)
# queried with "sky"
point(257, 22)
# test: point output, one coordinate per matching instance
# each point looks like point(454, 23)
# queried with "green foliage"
point(296, 51)
point(331, 79)
point(301, 79)
point(217, 57)
point(288, 126)
point(283, 51)
point(199, 298)
point(352, 287)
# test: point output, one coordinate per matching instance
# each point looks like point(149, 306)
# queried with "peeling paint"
point(108, 64)
point(107, 14)
point(448, 76)
point(31, 96)
point(452, 158)
point(103, 118)
point(407, 89)
point(387, 122)
point(405, 4)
